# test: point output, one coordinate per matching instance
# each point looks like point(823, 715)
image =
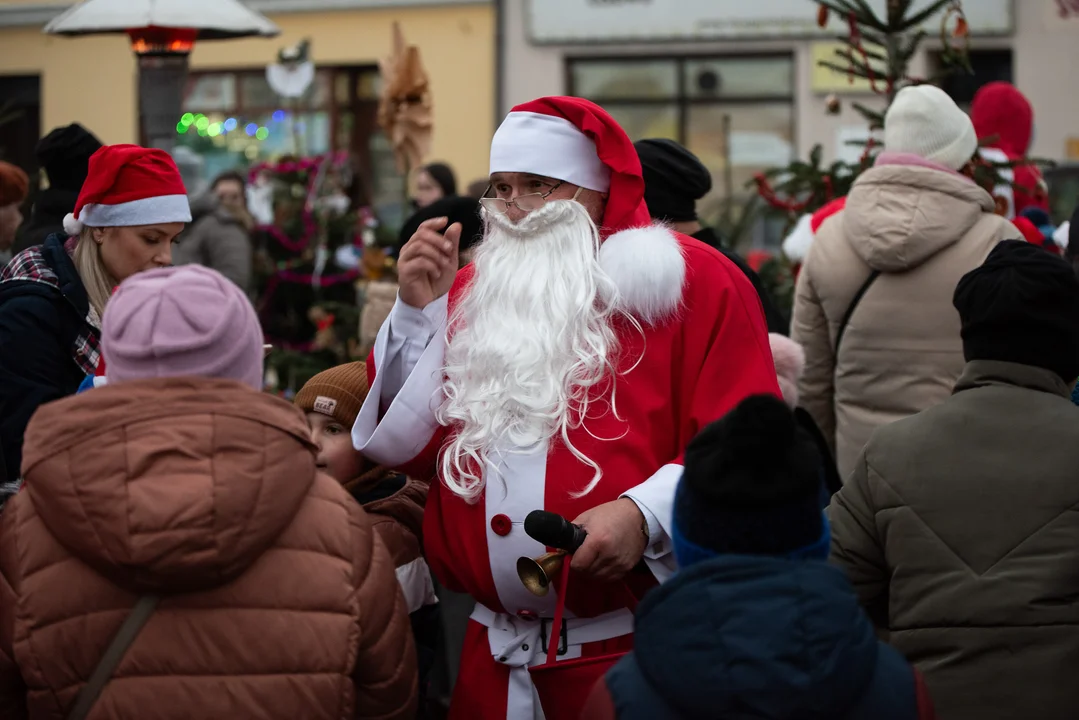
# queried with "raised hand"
point(428, 263)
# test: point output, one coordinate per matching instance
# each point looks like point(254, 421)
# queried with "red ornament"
point(326, 322)
point(822, 16)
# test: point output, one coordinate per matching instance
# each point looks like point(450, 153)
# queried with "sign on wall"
point(574, 21)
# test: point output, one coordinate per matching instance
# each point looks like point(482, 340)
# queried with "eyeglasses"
point(525, 203)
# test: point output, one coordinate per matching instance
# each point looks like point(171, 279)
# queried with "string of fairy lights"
point(208, 128)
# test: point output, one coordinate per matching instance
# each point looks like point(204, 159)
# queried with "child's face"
point(336, 456)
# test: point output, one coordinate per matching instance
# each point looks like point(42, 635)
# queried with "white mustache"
point(553, 213)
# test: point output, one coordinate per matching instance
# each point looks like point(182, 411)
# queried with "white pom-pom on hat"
point(71, 225)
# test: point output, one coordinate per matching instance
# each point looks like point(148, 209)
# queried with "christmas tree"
point(877, 51)
point(310, 264)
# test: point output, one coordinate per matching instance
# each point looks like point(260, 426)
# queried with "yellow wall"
point(92, 80)
point(89, 80)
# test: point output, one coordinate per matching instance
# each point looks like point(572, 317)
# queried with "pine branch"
point(897, 10)
point(924, 15)
point(848, 54)
point(857, 71)
point(869, 17)
point(905, 54)
point(863, 15)
point(874, 118)
point(872, 38)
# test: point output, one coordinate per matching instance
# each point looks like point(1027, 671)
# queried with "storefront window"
point(627, 79)
point(735, 113)
point(235, 119)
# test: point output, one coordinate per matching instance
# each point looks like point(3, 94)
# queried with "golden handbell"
point(536, 574)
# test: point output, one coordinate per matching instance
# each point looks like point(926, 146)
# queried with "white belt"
point(516, 641)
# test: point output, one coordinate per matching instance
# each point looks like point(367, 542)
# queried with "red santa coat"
point(704, 351)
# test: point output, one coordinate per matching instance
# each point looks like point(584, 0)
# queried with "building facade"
point(52, 81)
point(739, 82)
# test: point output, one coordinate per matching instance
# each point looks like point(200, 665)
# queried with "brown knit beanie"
point(338, 392)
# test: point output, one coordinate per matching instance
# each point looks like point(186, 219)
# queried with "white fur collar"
point(649, 269)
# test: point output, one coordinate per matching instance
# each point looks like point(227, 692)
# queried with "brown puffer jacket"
point(395, 505)
point(277, 600)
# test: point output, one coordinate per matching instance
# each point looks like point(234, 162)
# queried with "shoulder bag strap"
point(852, 307)
point(126, 635)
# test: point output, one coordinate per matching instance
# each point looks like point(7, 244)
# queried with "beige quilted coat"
point(923, 228)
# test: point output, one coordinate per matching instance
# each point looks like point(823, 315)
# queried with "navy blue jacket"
point(743, 637)
point(47, 345)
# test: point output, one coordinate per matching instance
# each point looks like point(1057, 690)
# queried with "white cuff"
point(416, 584)
point(409, 322)
point(655, 499)
point(409, 422)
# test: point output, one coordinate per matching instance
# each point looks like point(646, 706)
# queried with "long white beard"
point(530, 338)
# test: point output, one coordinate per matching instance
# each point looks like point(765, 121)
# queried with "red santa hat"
point(575, 140)
point(129, 185)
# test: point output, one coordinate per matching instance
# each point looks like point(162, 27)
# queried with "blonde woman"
point(52, 296)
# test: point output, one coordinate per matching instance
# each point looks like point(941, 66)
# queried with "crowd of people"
point(864, 515)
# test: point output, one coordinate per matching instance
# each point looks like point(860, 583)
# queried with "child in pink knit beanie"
point(181, 321)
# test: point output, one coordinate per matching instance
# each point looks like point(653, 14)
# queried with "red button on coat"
point(501, 524)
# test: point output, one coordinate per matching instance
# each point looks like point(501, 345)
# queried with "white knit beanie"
point(924, 121)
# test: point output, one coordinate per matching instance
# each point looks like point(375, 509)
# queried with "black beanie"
point(751, 485)
point(1021, 306)
point(464, 210)
point(674, 180)
point(65, 154)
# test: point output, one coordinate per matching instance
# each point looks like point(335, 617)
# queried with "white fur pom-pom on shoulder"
point(796, 245)
point(71, 225)
point(790, 361)
point(649, 269)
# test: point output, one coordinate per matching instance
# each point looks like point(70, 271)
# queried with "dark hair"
point(457, 210)
point(229, 176)
point(443, 175)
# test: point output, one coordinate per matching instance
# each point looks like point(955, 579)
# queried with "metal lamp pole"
point(163, 66)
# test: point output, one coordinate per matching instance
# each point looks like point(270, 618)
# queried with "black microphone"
point(555, 531)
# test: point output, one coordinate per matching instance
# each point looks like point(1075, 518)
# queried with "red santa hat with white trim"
point(576, 141)
point(129, 185)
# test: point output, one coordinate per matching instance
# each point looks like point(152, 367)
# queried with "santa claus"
point(565, 369)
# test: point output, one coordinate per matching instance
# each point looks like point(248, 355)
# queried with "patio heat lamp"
point(162, 35)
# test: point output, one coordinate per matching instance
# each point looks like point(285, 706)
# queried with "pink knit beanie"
point(179, 321)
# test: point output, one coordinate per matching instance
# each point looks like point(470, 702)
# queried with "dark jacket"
point(48, 341)
point(759, 637)
point(216, 239)
point(958, 529)
point(47, 217)
point(776, 322)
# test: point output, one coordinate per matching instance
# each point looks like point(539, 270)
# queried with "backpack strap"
point(126, 635)
point(852, 307)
